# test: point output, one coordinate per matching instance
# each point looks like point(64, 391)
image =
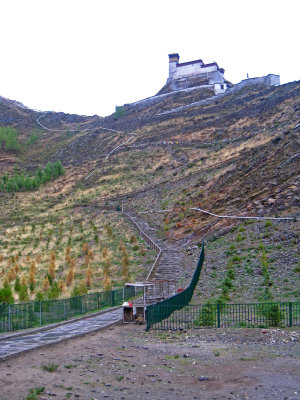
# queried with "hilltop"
point(233, 154)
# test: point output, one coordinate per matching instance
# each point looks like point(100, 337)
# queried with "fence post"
point(9, 322)
point(40, 313)
point(218, 315)
point(64, 302)
point(112, 298)
point(290, 314)
point(81, 304)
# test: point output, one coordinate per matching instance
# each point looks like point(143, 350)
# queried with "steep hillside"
point(236, 154)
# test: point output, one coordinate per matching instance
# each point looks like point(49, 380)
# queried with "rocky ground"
point(125, 362)
point(245, 249)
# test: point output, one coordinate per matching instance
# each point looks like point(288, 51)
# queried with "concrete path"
point(12, 346)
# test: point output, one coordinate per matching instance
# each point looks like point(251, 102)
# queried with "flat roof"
point(139, 284)
point(190, 62)
point(197, 62)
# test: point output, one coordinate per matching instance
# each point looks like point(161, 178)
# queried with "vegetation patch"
point(9, 138)
point(64, 256)
point(50, 367)
point(20, 181)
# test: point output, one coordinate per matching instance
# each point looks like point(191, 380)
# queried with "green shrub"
point(230, 273)
point(17, 285)
point(227, 283)
point(6, 295)
point(50, 367)
point(33, 138)
point(264, 266)
point(50, 279)
point(23, 293)
point(207, 315)
point(272, 314)
point(221, 300)
point(9, 138)
point(239, 238)
point(19, 181)
point(39, 296)
point(79, 290)
point(31, 287)
point(34, 393)
point(231, 250)
point(266, 296)
point(268, 224)
point(54, 291)
point(191, 165)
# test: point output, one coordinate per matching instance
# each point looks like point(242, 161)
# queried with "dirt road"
point(125, 362)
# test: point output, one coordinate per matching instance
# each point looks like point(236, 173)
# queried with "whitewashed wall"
point(172, 69)
point(192, 69)
point(220, 88)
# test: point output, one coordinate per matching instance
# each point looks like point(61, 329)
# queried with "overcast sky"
point(88, 56)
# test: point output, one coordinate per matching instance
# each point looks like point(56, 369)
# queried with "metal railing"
point(149, 241)
point(38, 313)
point(255, 315)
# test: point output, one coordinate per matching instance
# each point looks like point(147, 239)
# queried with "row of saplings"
point(53, 288)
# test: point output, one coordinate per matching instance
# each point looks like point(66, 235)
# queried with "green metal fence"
point(160, 311)
point(258, 315)
point(37, 313)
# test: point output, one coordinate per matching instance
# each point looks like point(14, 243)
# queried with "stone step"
point(170, 264)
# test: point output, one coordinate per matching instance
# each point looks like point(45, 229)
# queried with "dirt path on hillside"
point(125, 362)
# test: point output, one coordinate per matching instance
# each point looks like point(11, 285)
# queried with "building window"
point(222, 86)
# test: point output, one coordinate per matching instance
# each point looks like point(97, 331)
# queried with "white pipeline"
point(224, 216)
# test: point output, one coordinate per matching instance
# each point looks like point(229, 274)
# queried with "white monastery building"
point(195, 73)
point(207, 79)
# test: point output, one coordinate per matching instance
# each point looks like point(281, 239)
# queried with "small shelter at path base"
point(146, 293)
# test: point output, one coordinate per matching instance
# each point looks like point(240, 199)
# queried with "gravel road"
point(125, 362)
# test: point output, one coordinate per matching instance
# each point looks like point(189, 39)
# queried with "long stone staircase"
point(169, 266)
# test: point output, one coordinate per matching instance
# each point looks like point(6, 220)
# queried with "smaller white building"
point(195, 73)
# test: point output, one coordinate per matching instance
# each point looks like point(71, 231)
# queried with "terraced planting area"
point(69, 254)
